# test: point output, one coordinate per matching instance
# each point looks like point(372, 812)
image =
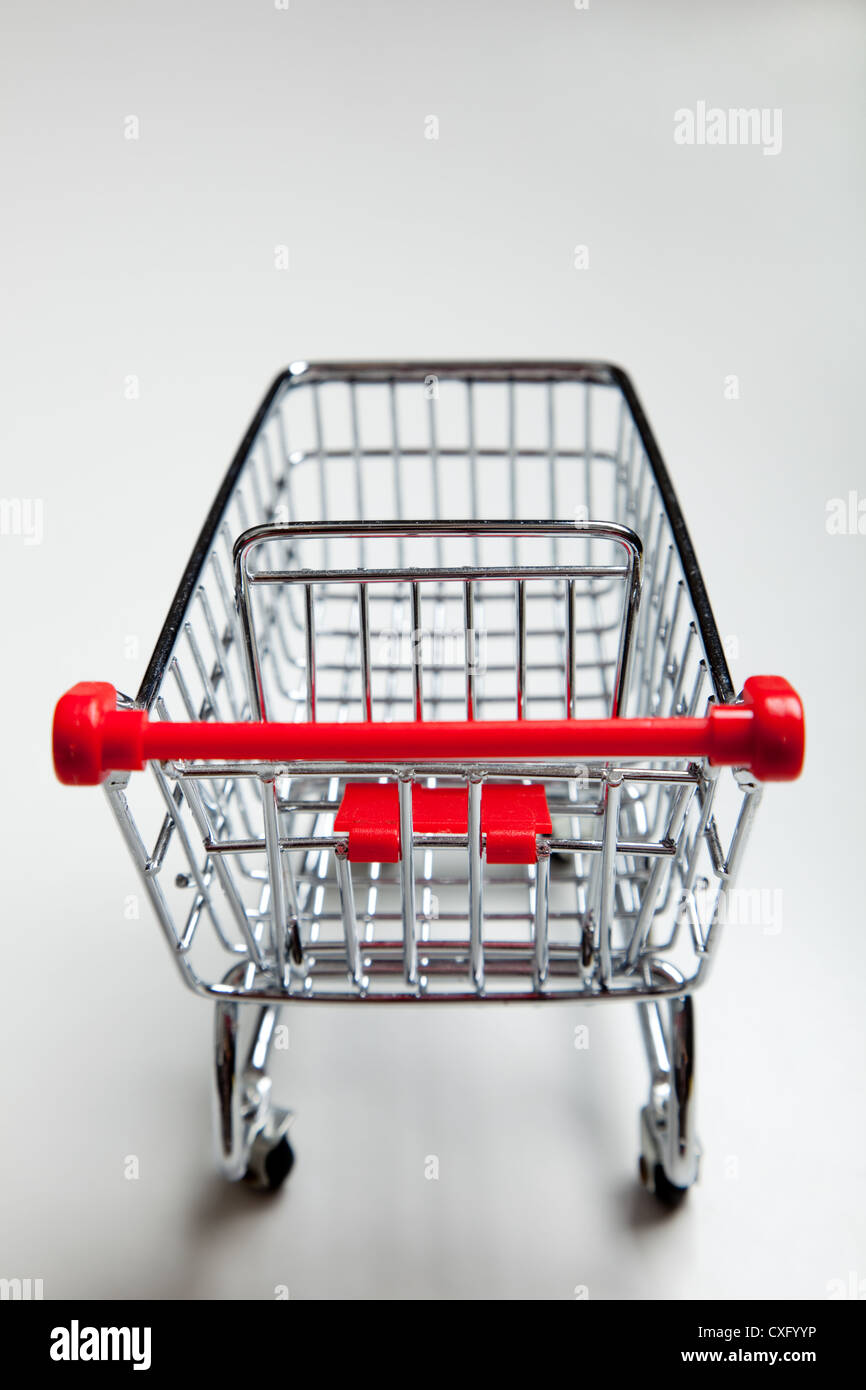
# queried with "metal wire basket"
point(421, 758)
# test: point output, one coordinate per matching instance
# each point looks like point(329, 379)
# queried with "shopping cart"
point(425, 759)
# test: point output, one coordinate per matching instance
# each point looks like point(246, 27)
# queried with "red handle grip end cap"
point(780, 728)
point(85, 721)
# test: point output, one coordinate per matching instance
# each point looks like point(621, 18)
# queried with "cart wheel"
point(656, 1181)
point(269, 1167)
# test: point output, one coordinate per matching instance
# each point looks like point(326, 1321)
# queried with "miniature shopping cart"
point(439, 713)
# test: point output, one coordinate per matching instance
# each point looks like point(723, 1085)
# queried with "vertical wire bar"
point(666, 672)
point(553, 507)
point(310, 638)
point(512, 462)
point(356, 455)
point(291, 509)
point(542, 896)
point(642, 926)
point(653, 644)
point(587, 453)
point(396, 457)
point(275, 618)
point(437, 512)
point(364, 639)
point(676, 694)
point(320, 863)
point(221, 665)
point(629, 618)
point(652, 502)
point(407, 882)
point(749, 805)
point(648, 602)
point(233, 627)
point(608, 873)
point(279, 902)
point(476, 885)
point(437, 649)
point(691, 866)
point(316, 861)
point(271, 611)
point(391, 674)
point(270, 479)
point(210, 800)
point(473, 461)
point(255, 486)
point(417, 637)
point(241, 504)
point(320, 459)
point(631, 492)
point(282, 438)
point(608, 696)
point(642, 523)
point(427, 892)
point(350, 919)
point(697, 689)
point(434, 470)
point(201, 876)
point(621, 472)
point(520, 595)
point(212, 711)
point(570, 653)
point(665, 796)
point(553, 510)
point(183, 688)
point(194, 800)
point(469, 627)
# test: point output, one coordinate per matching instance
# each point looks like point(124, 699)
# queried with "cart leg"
point(670, 1151)
point(251, 1133)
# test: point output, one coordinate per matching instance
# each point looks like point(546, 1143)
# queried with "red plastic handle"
point(766, 733)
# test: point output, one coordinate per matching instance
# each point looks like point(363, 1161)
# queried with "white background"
point(155, 258)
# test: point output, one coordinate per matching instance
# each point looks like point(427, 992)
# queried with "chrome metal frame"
point(609, 909)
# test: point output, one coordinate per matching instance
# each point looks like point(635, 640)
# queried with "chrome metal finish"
point(552, 626)
point(570, 657)
point(668, 1138)
point(407, 883)
point(608, 876)
point(416, 637)
point(469, 639)
point(350, 921)
point(310, 648)
point(521, 651)
point(279, 913)
point(364, 639)
point(476, 886)
point(462, 602)
point(247, 1124)
point(541, 923)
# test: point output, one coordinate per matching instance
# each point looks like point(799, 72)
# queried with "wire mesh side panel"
point(244, 864)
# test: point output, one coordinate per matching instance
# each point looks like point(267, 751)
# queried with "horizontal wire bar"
point(517, 769)
point(299, 456)
point(564, 808)
point(421, 574)
point(665, 848)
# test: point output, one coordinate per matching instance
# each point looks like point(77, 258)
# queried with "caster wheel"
point(279, 1164)
point(666, 1192)
point(269, 1167)
point(656, 1181)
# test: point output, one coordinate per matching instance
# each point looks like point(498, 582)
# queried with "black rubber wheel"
point(666, 1192)
point(278, 1164)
